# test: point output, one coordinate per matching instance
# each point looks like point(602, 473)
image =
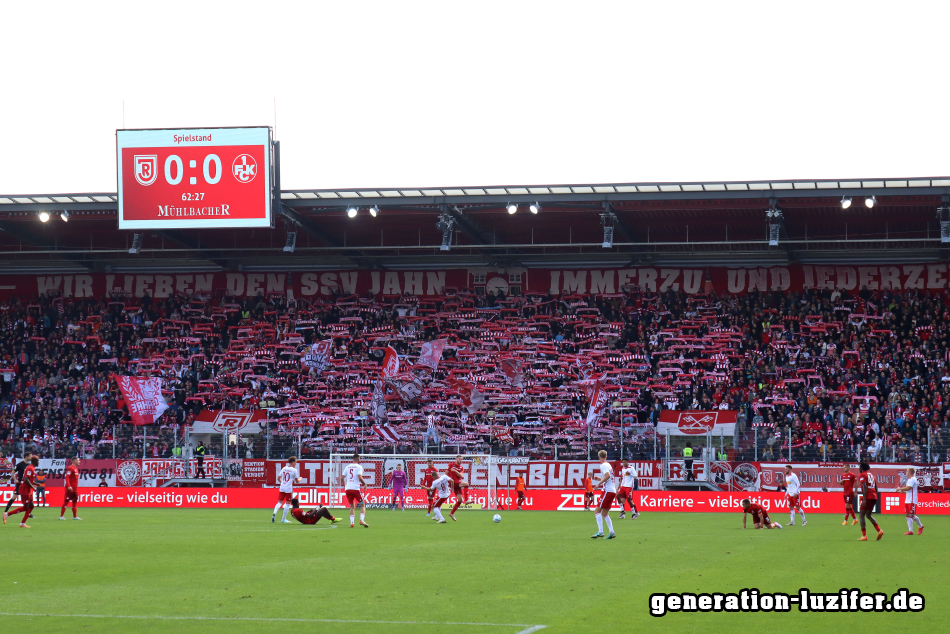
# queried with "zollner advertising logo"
point(231, 421)
point(146, 168)
point(696, 423)
point(891, 500)
point(244, 168)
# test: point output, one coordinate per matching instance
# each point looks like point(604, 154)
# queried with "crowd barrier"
point(538, 474)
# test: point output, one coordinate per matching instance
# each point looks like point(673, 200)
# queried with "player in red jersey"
point(760, 517)
point(71, 493)
point(459, 486)
point(847, 481)
point(312, 516)
point(869, 490)
point(27, 486)
point(428, 477)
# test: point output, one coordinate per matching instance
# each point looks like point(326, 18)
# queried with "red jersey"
point(847, 480)
point(456, 472)
point(71, 478)
point(29, 478)
point(867, 478)
point(429, 476)
point(755, 510)
point(301, 516)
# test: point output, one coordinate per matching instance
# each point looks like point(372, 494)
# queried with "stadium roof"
point(524, 193)
point(714, 223)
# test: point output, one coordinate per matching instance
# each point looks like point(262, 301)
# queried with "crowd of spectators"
point(817, 375)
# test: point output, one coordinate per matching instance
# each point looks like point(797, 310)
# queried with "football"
point(496, 518)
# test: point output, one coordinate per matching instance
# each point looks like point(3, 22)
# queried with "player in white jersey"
point(910, 502)
point(606, 483)
point(352, 480)
point(793, 491)
point(287, 477)
point(628, 483)
point(442, 487)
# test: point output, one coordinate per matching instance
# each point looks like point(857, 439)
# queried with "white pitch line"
point(529, 630)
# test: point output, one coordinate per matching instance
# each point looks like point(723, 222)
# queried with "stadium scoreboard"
point(195, 178)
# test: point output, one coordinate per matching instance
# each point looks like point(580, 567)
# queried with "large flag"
point(408, 387)
point(143, 398)
point(503, 434)
point(472, 399)
point(387, 433)
point(597, 397)
point(597, 407)
point(432, 353)
point(379, 403)
point(318, 355)
point(514, 371)
point(390, 363)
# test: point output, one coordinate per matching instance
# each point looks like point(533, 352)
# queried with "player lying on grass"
point(760, 517)
point(312, 516)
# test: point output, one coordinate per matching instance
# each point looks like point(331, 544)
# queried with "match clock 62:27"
point(218, 177)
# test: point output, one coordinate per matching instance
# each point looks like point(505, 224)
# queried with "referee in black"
point(200, 455)
point(18, 477)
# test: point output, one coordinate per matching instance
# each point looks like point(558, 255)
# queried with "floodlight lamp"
point(44, 216)
point(65, 215)
point(535, 208)
point(846, 202)
point(373, 211)
point(136, 247)
point(512, 208)
point(870, 202)
point(291, 243)
point(351, 211)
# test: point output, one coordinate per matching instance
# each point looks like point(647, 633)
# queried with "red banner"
point(242, 421)
point(697, 423)
point(815, 476)
point(91, 472)
point(540, 500)
point(143, 397)
point(548, 475)
point(729, 502)
point(795, 277)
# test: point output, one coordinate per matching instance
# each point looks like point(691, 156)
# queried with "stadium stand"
point(841, 375)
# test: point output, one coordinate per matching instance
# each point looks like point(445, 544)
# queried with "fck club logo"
point(145, 168)
point(244, 168)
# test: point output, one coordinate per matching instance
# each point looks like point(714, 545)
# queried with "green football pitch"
point(234, 571)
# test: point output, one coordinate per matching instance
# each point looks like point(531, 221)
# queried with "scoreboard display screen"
point(195, 178)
